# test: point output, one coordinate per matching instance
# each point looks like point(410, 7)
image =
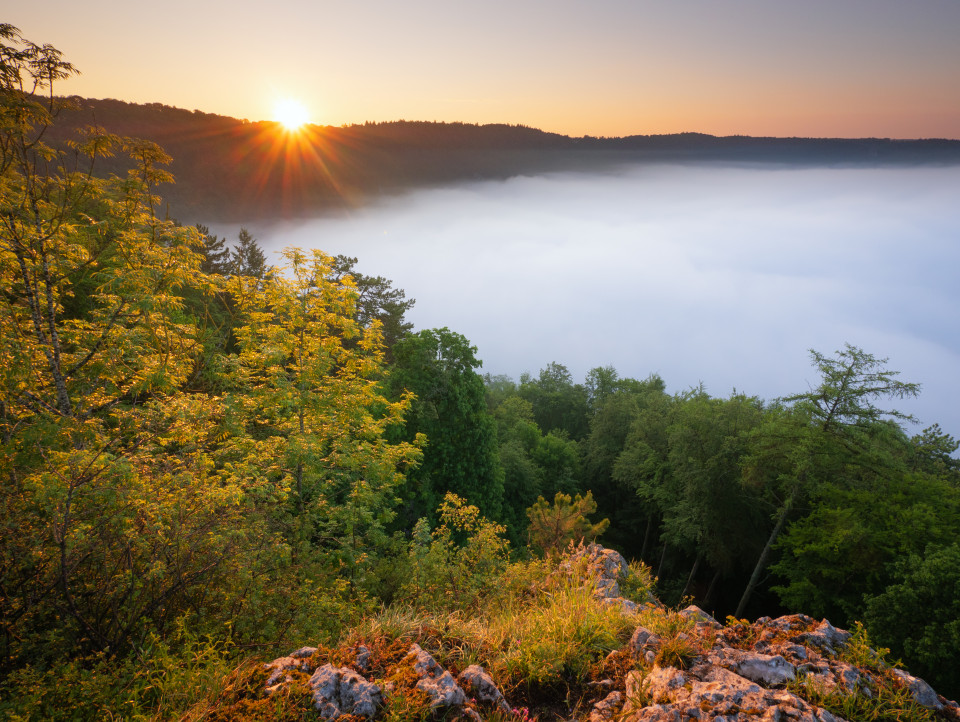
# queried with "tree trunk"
point(764, 555)
point(646, 537)
point(708, 597)
point(693, 573)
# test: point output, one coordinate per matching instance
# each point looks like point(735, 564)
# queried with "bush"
point(457, 564)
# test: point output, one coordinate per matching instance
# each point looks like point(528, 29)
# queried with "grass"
point(888, 703)
point(543, 636)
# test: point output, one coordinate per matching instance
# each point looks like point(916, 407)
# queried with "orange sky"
point(883, 68)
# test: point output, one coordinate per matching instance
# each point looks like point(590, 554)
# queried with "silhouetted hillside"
point(229, 169)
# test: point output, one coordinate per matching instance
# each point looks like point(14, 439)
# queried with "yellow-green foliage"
point(555, 639)
point(888, 701)
point(679, 643)
point(638, 583)
point(554, 526)
point(164, 679)
point(459, 562)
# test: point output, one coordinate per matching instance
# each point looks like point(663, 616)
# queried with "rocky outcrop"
point(708, 692)
point(677, 666)
point(605, 569)
point(435, 681)
point(341, 691)
point(359, 691)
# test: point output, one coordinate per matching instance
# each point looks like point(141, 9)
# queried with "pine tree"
point(247, 259)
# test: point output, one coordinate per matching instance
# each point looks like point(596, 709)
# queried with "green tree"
point(918, 616)
point(557, 402)
point(820, 433)
point(611, 419)
point(216, 253)
point(554, 526)
point(846, 546)
point(439, 367)
point(377, 300)
point(112, 521)
point(247, 258)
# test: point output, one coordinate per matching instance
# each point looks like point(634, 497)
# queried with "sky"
point(819, 68)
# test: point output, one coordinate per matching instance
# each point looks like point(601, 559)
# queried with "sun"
point(291, 114)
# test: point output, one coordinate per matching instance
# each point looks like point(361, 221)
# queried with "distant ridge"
point(233, 170)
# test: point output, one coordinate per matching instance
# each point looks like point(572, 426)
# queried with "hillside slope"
point(233, 170)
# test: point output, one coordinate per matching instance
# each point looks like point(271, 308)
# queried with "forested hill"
point(233, 170)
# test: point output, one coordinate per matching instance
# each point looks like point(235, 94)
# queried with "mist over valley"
point(704, 272)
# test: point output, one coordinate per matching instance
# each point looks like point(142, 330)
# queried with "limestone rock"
point(699, 616)
point(643, 640)
point(661, 682)
point(362, 661)
point(341, 691)
point(825, 637)
point(605, 566)
point(606, 708)
point(295, 661)
point(921, 691)
point(480, 685)
point(437, 682)
point(770, 670)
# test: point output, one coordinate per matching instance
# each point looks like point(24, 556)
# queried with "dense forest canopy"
point(197, 445)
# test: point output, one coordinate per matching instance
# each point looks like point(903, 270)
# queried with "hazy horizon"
point(719, 274)
point(863, 68)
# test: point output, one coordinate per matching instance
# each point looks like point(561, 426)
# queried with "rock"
point(625, 605)
point(362, 661)
point(655, 713)
point(437, 682)
point(920, 691)
point(606, 708)
point(480, 685)
point(643, 640)
point(295, 661)
point(341, 691)
point(605, 566)
point(846, 675)
point(707, 692)
point(699, 616)
point(825, 637)
point(763, 668)
point(661, 682)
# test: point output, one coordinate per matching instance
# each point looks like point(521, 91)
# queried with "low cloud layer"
point(725, 275)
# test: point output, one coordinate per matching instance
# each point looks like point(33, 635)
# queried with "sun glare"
point(291, 114)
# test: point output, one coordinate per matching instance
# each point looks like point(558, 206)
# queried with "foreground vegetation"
point(207, 461)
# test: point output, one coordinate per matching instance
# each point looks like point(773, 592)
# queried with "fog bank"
point(701, 273)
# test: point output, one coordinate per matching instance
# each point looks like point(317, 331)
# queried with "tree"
point(131, 499)
point(611, 419)
point(918, 616)
point(439, 367)
point(828, 427)
point(247, 259)
point(847, 545)
point(554, 526)
point(107, 531)
point(558, 403)
point(216, 253)
point(315, 420)
point(378, 300)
